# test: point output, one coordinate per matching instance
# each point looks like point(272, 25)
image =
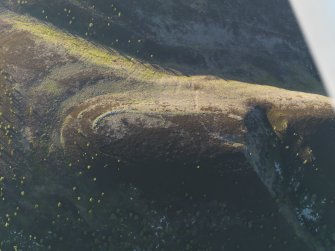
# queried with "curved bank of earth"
point(105, 152)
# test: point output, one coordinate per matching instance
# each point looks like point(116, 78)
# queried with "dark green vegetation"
point(118, 145)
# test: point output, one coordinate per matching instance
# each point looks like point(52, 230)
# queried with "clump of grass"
point(50, 88)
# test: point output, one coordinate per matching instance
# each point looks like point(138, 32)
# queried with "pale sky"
point(317, 20)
